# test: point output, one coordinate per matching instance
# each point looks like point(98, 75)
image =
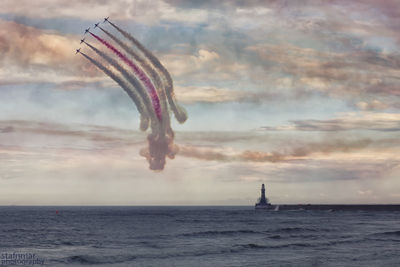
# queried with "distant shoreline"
point(342, 207)
point(281, 207)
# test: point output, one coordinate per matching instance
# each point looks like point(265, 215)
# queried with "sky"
point(303, 96)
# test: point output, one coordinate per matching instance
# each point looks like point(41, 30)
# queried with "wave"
point(150, 244)
point(234, 249)
point(295, 229)
point(216, 233)
point(396, 233)
point(17, 230)
point(252, 246)
point(344, 241)
point(304, 236)
point(256, 246)
point(67, 243)
point(298, 244)
point(82, 259)
point(194, 253)
point(190, 221)
point(384, 236)
point(88, 259)
point(275, 237)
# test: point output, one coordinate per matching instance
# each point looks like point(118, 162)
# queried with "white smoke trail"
point(146, 102)
point(144, 119)
point(166, 127)
point(179, 111)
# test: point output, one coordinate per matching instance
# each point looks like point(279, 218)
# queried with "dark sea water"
point(200, 236)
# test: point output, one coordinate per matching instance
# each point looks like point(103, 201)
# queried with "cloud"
point(79, 84)
point(7, 129)
point(347, 121)
point(180, 64)
point(230, 46)
point(30, 132)
point(140, 10)
point(285, 154)
point(341, 24)
point(70, 156)
point(335, 170)
point(51, 9)
point(210, 94)
point(30, 54)
point(373, 105)
point(202, 65)
point(225, 156)
point(193, 94)
point(339, 74)
point(204, 146)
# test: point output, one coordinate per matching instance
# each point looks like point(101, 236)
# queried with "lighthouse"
point(263, 201)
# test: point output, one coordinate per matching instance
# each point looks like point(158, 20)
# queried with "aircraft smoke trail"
point(160, 140)
point(179, 111)
point(153, 75)
point(141, 75)
point(144, 99)
point(136, 56)
point(144, 120)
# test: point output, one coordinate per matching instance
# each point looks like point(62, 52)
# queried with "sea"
point(196, 236)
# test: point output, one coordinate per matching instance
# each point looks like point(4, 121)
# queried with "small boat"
point(263, 202)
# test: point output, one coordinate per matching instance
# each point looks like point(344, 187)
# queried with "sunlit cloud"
point(33, 55)
point(347, 121)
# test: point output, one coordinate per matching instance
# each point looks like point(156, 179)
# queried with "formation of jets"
point(88, 30)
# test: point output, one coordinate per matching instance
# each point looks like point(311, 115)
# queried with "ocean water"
point(198, 236)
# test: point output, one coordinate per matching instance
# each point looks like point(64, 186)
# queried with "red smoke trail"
point(144, 116)
point(142, 76)
point(179, 111)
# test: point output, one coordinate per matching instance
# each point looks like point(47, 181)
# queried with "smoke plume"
point(141, 75)
point(160, 87)
point(143, 99)
point(151, 103)
point(179, 111)
point(144, 116)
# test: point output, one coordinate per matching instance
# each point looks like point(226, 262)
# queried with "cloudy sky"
point(303, 96)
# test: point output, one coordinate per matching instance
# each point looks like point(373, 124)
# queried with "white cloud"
point(346, 121)
point(181, 64)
